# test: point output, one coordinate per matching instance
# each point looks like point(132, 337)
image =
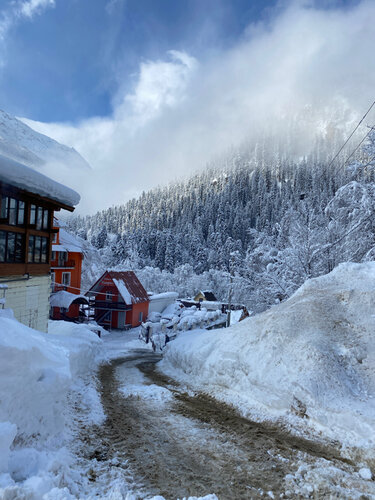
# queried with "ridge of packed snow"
point(23, 177)
point(309, 360)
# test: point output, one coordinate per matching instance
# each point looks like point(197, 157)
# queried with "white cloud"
point(307, 64)
point(31, 7)
point(18, 10)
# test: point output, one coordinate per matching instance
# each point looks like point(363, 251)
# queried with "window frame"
point(18, 248)
point(66, 273)
point(38, 251)
point(11, 210)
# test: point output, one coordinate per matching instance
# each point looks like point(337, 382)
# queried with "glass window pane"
point(45, 218)
point(44, 249)
point(19, 248)
point(66, 278)
point(2, 245)
point(32, 214)
point(11, 247)
point(39, 217)
point(38, 246)
point(21, 213)
point(12, 211)
point(4, 207)
point(31, 249)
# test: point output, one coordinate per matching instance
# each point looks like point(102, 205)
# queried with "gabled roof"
point(127, 284)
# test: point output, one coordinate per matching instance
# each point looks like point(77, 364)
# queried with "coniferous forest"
point(268, 222)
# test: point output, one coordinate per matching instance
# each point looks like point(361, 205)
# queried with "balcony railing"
point(110, 306)
point(67, 263)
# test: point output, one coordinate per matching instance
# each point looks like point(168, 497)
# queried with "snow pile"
point(310, 359)
point(23, 177)
point(37, 371)
point(160, 328)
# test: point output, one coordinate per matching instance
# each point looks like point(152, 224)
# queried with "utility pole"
point(231, 270)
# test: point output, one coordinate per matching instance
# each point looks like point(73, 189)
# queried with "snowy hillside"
point(21, 143)
point(309, 360)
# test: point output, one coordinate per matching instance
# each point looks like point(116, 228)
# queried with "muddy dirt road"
point(179, 445)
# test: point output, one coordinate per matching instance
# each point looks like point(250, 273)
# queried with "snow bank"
point(37, 371)
point(23, 177)
point(310, 360)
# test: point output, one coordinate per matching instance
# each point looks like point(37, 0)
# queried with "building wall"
point(29, 300)
point(75, 272)
point(136, 309)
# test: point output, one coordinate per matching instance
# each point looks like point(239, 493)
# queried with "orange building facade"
point(66, 271)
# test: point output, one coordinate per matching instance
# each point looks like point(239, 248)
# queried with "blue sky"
point(149, 91)
point(68, 60)
point(65, 63)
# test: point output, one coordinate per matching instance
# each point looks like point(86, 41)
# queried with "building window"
point(53, 281)
point(54, 238)
point(12, 211)
point(62, 257)
point(65, 279)
point(108, 296)
point(63, 310)
point(140, 317)
point(38, 249)
point(39, 217)
point(11, 247)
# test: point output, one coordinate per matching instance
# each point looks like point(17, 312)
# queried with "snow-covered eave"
point(29, 181)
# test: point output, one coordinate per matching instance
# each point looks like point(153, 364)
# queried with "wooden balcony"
point(102, 305)
point(68, 264)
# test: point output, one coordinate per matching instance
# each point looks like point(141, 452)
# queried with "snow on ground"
point(309, 361)
point(37, 373)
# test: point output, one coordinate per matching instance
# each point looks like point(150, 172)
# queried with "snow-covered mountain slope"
point(21, 143)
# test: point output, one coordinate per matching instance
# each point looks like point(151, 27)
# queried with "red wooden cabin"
point(119, 300)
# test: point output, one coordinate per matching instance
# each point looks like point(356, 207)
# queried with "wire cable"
point(351, 135)
point(362, 141)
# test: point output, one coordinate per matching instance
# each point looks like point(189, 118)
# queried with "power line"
point(351, 135)
point(362, 141)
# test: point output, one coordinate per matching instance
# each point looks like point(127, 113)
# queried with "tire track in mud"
point(193, 445)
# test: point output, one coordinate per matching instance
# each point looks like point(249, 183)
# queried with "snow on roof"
point(58, 248)
point(69, 242)
point(124, 292)
point(129, 286)
point(23, 177)
point(65, 299)
point(165, 295)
